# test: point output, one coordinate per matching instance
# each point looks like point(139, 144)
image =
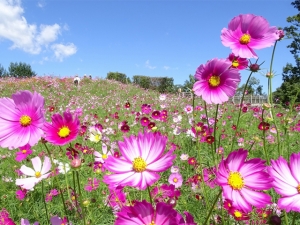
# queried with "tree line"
point(18, 70)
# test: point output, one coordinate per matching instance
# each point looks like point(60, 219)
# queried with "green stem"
point(150, 195)
point(55, 178)
point(286, 218)
point(212, 207)
point(45, 202)
point(80, 198)
point(294, 218)
point(240, 105)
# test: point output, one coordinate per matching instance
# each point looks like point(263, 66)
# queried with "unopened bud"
point(254, 67)
point(75, 163)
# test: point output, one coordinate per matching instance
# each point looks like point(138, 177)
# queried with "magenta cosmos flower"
point(216, 81)
point(247, 32)
point(21, 119)
point(143, 157)
point(287, 181)
point(241, 180)
point(62, 130)
point(39, 172)
point(143, 213)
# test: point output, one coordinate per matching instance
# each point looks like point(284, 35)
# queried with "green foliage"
point(161, 84)
point(188, 84)
point(291, 73)
point(253, 87)
point(20, 70)
point(121, 77)
point(3, 72)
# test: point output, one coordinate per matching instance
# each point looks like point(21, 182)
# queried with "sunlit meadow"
point(104, 152)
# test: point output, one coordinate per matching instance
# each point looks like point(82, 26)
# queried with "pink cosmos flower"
point(116, 198)
point(143, 158)
point(144, 213)
point(92, 185)
point(105, 153)
point(216, 81)
point(21, 119)
point(39, 172)
point(21, 194)
point(247, 32)
point(23, 153)
point(165, 193)
point(241, 181)
point(188, 109)
point(55, 220)
point(175, 179)
point(62, 130)
point(287, 181)
point(238, 62)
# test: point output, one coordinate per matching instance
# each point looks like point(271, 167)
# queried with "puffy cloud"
point(29, 37)
point(61, 51)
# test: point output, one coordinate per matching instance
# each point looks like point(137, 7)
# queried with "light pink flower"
point(39, 172)
point(21, 119)
point(142, 159)
point(287, 181)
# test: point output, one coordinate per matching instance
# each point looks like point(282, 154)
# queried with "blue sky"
point(136, 37)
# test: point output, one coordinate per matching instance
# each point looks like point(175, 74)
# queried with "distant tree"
point(166, 85)
point(20, 70)
point(188, 84)
point(253, 87)
point(121, 77)
point(289, 89)
point(3, 72)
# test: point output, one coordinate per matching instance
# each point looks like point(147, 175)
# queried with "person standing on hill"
point(76, 81)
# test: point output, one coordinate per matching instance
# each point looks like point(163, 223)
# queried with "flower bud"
point(75, 163)
point(275, 220)
point(254, 67)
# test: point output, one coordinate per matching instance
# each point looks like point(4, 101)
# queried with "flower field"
point(108, 153)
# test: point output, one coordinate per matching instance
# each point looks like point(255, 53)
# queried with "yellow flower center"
point(152, 223)
point(117, 199)
point(64, 132)
point(104, 156)
point(237, 214)
point(214, 81)
point(245, 39)
point(97, 137)
point(38, 174)
point(235, 63)
point(298, 188)
point(25, 121)
point(24, 151)
point(139, 165)
point(235, 180)
point(175, 180)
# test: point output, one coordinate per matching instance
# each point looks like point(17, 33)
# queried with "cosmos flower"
point(105, 153)
point(23, 153)
point(238, 62)
point(242, 180)
point(175, 179)
point(247, 32)
point(21, 119)
point(95, 134)
point(38, 173)
point(144, 213)
point(287, 181)
point(216, 81)
point(62, 130)
point(142, 159)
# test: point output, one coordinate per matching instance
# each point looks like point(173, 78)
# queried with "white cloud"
point(61, 51)
point(166, 67)
point(28, 37)
point(147, 64)
point(41, 4)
